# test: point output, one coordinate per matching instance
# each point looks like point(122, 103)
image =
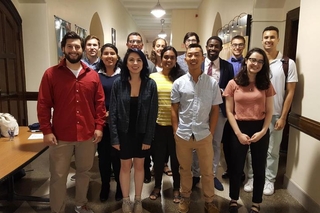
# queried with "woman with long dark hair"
point(163, 139)
point(133, 114)
point(249, 107)
point(109, 65)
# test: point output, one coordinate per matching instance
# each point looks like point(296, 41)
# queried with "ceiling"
point(147, 24)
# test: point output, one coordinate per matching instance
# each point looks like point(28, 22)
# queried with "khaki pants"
point(204, 151)
point(60, 158)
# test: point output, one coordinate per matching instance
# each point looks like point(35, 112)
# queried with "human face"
point(160, 44)
point(169, 60)
point(190, 40)
point(134, 63)
point(213, 49)
point(92, 48)
point(73, 50)
point(254, 63)
point(270, 40)
point(194, 58)
point(135, 42)
point(109, 57)
point(237, 46)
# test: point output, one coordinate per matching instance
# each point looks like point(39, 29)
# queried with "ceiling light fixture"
point(158, 11)
point(162, 33)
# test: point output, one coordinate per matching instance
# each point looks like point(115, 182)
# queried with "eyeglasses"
point(135, 41)
point(237, 45)
point(256, 61)
point(191, 40)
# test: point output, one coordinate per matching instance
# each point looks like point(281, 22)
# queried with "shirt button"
point(77, 101)
point(77, 90)
point(78, 122)
point(77, 111)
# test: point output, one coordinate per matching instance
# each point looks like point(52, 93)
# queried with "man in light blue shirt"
point(189, 38)
point(195, 99)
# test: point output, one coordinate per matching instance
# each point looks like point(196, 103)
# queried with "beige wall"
point(183, 21)
point(213, 14)
point(304, 151)
point(40, 48)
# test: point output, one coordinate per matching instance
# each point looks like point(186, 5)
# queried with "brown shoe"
point(210, 208)
point(184, 205)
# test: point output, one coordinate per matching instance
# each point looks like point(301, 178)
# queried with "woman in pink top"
point(249, 106)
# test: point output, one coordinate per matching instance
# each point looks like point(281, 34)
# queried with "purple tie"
point(210, 69)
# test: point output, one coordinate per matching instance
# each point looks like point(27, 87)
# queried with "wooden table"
point(15, 155)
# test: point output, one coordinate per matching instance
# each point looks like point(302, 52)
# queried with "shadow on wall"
point(96, 27)
point(216, 25)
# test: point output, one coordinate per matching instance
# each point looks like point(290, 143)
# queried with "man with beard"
point(75, 94)
point(222, 72)
point(92, 47)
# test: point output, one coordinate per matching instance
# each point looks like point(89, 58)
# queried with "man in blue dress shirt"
point(195, 99)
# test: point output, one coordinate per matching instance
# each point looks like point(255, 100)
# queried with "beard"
point(73, 60)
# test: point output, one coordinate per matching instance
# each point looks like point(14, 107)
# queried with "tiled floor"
point(37, 179)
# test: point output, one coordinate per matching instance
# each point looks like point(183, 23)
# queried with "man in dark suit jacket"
point(222, 71)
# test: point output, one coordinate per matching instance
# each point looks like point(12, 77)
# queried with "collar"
point(115, 72)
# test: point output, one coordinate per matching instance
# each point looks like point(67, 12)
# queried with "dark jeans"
point(107, 156)
point(238, 156)
point(164, 143)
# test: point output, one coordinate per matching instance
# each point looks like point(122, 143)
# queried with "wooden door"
point(12, 77)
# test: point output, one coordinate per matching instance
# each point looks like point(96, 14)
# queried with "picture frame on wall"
point(113, 36)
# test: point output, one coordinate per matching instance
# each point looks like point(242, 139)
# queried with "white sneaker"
point(248, 187)
point(268, 188)
point(83, 209)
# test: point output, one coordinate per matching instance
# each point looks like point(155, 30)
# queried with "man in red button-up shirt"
point(75, 94)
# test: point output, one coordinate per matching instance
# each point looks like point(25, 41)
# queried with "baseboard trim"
point(304, 199)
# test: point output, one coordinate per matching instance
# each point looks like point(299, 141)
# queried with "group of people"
point(177, 107)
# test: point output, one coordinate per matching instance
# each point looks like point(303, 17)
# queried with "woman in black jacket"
point(133, 112)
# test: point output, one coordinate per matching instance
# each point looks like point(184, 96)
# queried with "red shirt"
point(78, 103)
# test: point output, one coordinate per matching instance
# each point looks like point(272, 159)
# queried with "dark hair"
point(262, 77)
point(125, 73)
point(215, 38)
point(270, 28)
point(238, 37)
point(176, 71)
point(153, 55)
point(189, 34)
point(134, 34)
point(71, 35)
point(89, 37)
point(195, 46)
point(118, 64)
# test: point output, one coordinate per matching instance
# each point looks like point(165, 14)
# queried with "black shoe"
point(147, 180)
point(217, 184)
point(195, 181)
point(104, 193)
point(243, 177)
point(225, 175)
point(233, 206)
point(147, 176)
point(118, 195)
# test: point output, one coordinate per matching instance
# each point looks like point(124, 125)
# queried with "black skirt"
point(131, 142)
